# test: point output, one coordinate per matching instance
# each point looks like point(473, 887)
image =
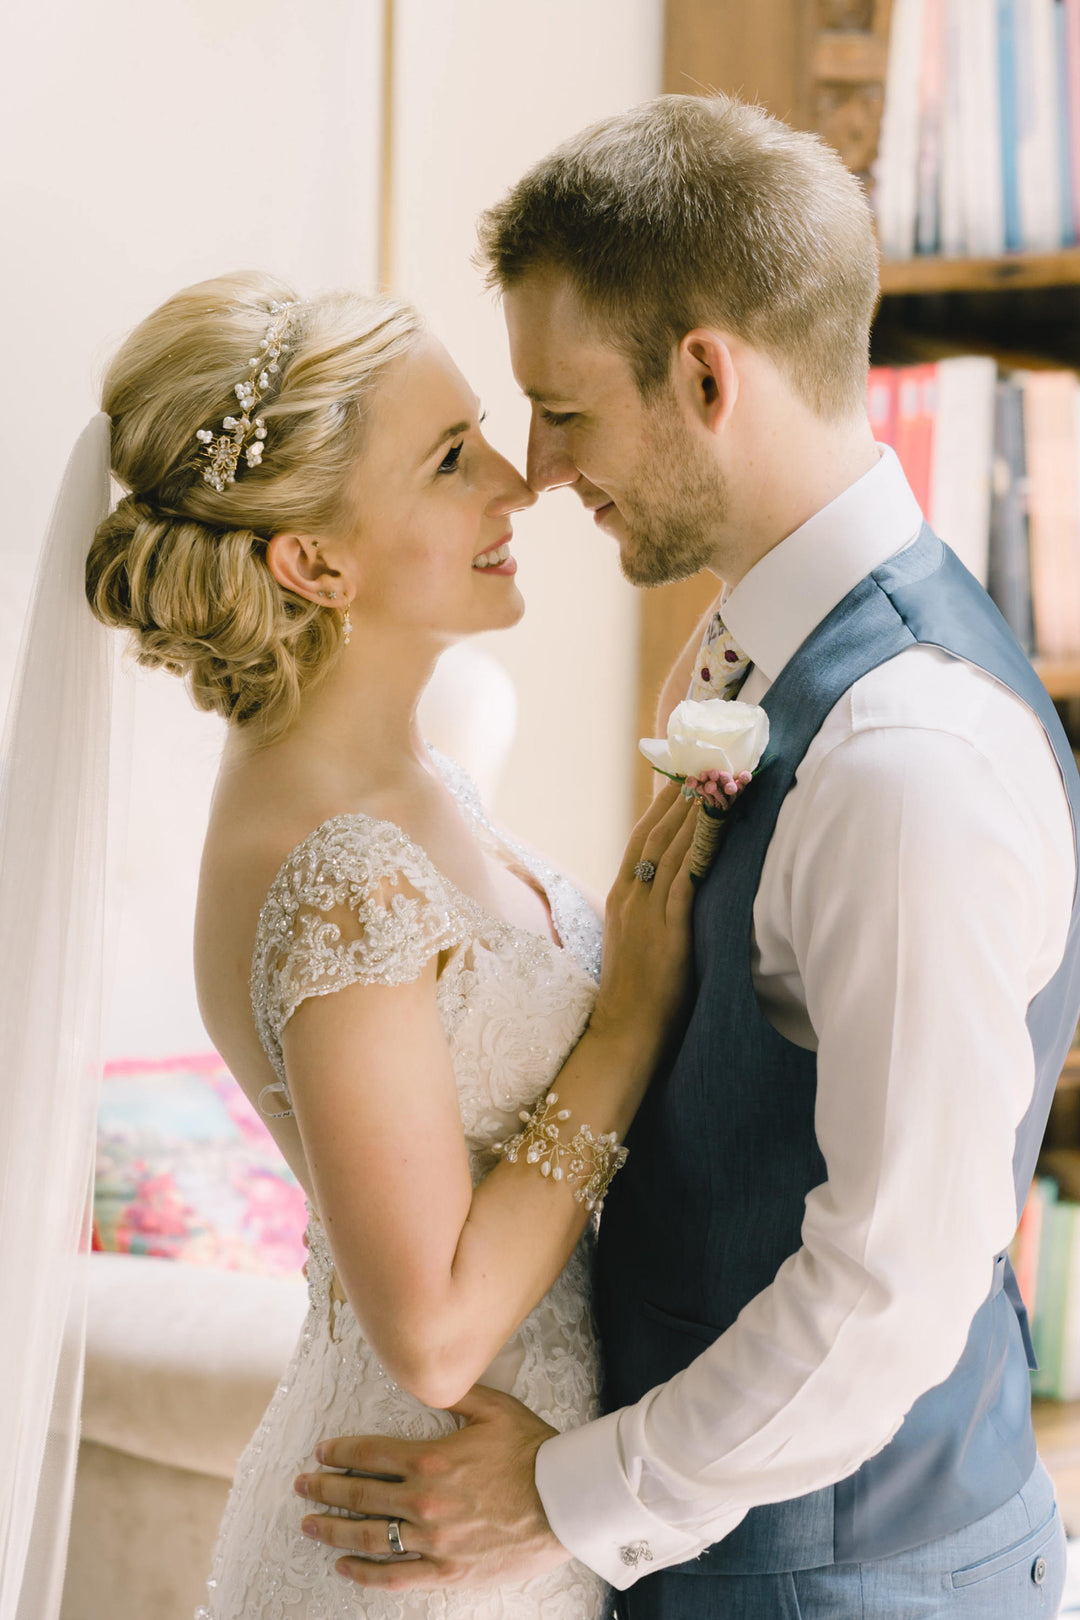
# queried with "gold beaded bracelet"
point(587, 1163)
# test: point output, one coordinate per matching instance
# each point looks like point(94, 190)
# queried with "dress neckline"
point(460, 896)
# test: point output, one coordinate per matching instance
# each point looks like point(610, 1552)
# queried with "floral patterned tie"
point(721, 666)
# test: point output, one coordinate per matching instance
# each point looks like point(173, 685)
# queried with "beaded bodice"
point(359, 903)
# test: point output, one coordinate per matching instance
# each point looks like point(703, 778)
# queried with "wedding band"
point(645, 871)
point(393, 1535)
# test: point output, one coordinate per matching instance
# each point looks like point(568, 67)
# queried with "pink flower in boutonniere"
point(714, 749)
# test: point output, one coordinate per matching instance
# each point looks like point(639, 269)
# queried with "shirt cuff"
point(595, 1513)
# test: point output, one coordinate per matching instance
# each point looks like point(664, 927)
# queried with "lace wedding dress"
point(358, 902)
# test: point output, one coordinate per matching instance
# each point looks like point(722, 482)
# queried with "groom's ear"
point(706, 379)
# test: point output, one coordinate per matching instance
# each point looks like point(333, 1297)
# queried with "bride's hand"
point(645, 982)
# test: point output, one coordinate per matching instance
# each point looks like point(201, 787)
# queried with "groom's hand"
point(468, 1507)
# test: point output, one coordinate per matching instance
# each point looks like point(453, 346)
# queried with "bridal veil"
point(54, 815)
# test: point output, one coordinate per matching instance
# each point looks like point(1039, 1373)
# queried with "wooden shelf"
point(1060, 676)
point(932, 274)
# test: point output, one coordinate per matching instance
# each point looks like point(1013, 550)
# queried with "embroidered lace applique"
point(357, 902)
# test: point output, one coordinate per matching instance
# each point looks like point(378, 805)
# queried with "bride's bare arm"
point(440, 1275)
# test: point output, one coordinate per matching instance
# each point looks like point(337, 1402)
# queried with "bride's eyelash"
point(450, 461)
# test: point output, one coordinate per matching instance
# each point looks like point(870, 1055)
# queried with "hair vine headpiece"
point(244, 435)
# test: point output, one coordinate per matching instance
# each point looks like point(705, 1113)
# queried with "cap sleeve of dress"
point(356, 903)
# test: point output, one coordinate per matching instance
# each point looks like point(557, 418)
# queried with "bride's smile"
point(430, 549)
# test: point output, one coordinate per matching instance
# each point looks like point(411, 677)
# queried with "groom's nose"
point(548, 464)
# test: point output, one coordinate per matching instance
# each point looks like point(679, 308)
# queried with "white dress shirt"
point(915, 897)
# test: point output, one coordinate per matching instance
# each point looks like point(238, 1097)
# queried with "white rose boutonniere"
point(715, 749)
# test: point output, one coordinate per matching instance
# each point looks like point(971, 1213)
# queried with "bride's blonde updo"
point(183, 565)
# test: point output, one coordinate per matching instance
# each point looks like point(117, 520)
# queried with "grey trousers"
point(1008, 1566)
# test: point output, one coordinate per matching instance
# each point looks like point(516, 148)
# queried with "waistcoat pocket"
point(680, 1324)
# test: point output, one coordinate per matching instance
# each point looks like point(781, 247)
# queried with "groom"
point(817, 1357)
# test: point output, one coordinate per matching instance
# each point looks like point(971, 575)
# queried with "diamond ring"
point(645, 871)
point(393, 1535)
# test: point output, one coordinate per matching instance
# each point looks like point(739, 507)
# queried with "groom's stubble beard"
point(671, 519)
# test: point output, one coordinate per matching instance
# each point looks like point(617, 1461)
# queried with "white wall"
point(485, 88)
point(151, 144)
point(158, 144)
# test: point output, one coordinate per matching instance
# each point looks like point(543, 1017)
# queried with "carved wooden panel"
point(848, 59)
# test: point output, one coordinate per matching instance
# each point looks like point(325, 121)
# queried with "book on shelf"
point(980, 137)
point(1045, 1254)
point(994, 461)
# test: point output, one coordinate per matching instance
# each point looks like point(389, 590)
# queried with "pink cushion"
point(186, 1170)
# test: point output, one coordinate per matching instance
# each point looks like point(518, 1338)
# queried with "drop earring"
point(346, 625)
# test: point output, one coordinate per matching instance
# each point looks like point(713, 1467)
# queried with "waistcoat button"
point(1038, 1571)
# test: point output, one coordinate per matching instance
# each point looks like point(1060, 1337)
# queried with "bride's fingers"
point(669, 795)
point(671, 861)
point(681, 888)
point(660, 837)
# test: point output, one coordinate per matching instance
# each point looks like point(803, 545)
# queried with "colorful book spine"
point(931, 121)
point(881, 403)
point(895, 190)
point(916, 408)
point(980, 101)
point(1007, 95)
point(1024, 1249)
point(1009, 561)
point(1052, 449)
point(1047, 1328)
point(962, 458)
point(1037, 126)
point(952, 203)
point(1066, 210)
point(1072, 99)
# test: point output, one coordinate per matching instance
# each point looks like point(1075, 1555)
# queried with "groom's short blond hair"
point(703, 211)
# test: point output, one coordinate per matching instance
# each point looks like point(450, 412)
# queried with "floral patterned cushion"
point(187, 1171)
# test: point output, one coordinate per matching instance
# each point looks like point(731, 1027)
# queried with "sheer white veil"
point(54, 809)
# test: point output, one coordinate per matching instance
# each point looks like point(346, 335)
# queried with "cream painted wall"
point(485, 88)
point(150, 145)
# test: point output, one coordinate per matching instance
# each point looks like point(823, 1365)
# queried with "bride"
point(409, 996)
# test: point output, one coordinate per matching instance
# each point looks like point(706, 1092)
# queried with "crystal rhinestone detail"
point(587, 1163)
point(244, 435)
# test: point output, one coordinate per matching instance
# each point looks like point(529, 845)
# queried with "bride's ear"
point(297, 562)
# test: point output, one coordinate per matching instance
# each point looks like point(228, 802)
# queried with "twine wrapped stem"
point(708, 831)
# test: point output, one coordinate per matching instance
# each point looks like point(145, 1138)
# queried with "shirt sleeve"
point(919, 920)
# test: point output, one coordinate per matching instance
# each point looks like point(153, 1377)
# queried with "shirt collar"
point(785, 596)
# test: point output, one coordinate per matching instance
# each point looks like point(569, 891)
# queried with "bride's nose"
point(514, 493)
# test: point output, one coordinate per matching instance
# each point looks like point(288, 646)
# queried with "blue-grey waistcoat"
point(723, 1151)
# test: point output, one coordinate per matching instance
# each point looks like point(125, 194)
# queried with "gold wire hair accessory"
point(244, 435)
point(590, 1161)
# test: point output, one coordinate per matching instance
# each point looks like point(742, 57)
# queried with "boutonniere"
point(714, 749)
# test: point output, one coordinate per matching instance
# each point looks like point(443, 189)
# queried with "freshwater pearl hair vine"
point(244, 435)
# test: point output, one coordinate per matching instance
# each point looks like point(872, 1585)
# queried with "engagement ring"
point(645, 871)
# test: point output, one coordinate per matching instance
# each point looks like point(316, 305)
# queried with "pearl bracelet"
point(590, 1161)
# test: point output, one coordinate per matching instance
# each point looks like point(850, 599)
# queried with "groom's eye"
point(557, 418)
point(451, 459)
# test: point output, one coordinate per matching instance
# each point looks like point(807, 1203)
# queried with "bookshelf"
point(821, 65)
point(1012, 271)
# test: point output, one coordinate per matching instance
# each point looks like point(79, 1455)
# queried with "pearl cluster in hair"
point(244, 435)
